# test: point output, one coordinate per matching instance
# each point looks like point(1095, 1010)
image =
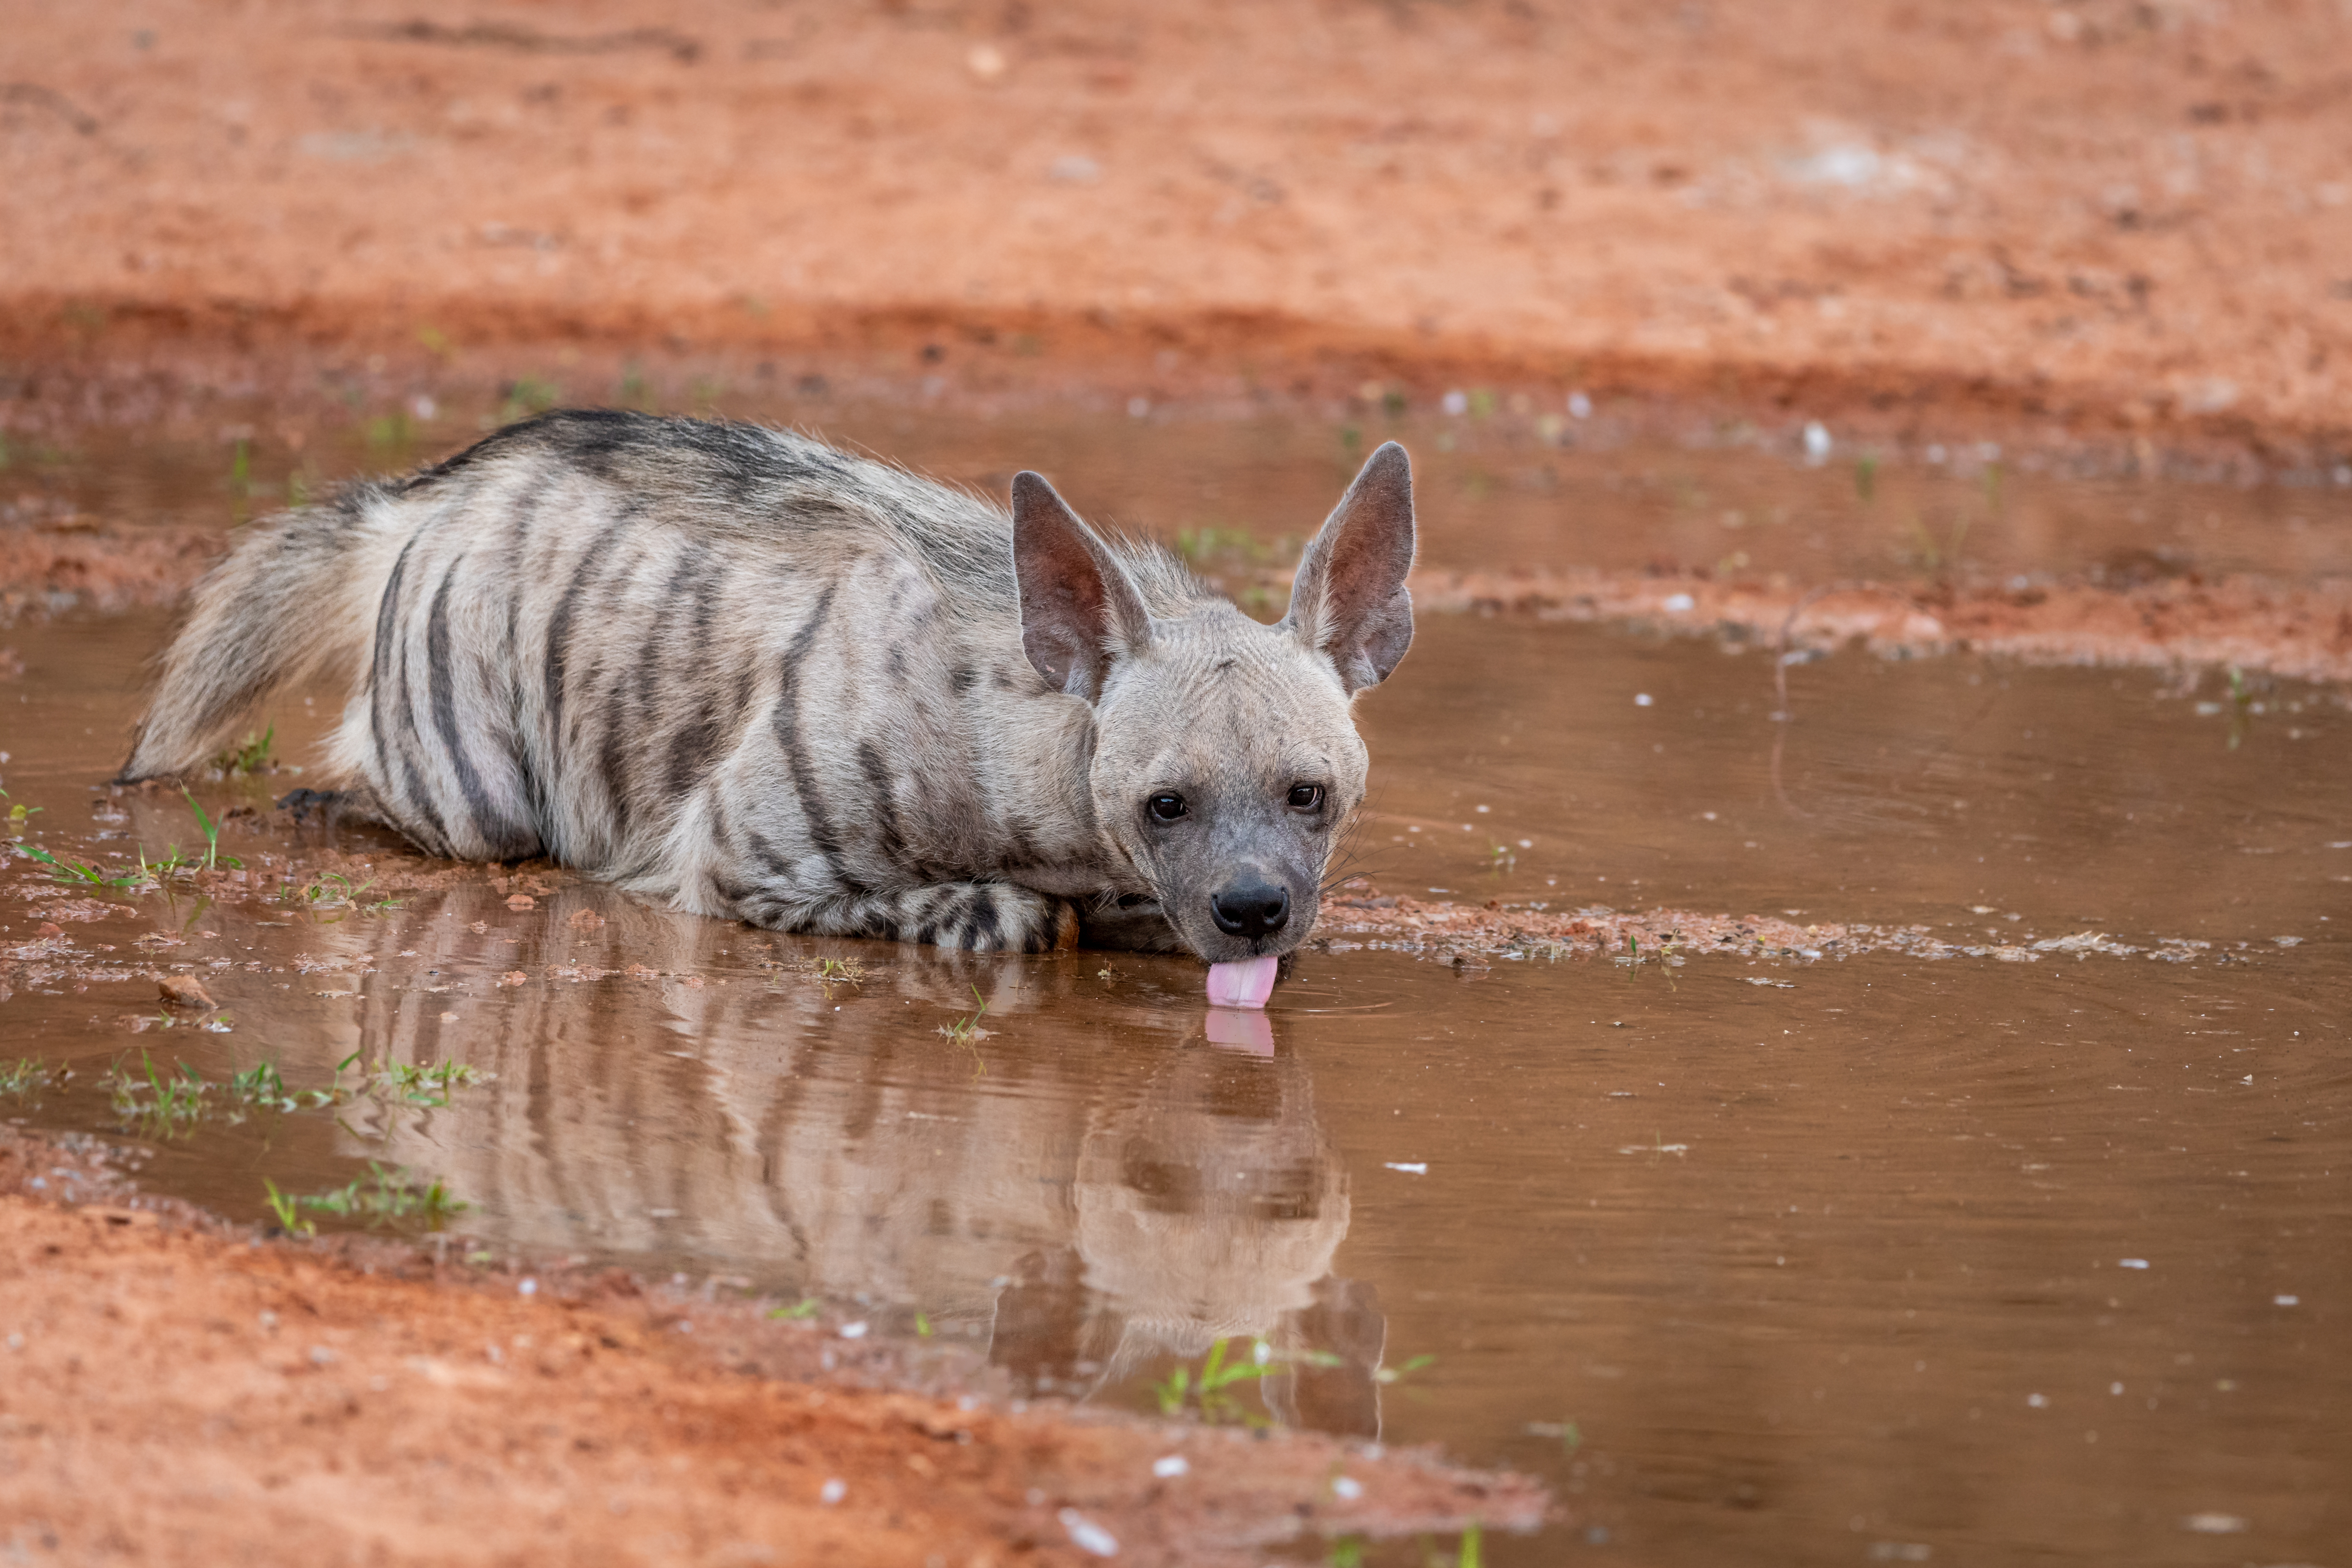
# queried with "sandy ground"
point(178, 1390)
point(2100, 218)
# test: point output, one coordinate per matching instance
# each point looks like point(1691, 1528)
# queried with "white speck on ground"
point(1087, 1536)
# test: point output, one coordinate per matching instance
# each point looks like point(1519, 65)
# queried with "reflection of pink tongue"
point(1244, 984)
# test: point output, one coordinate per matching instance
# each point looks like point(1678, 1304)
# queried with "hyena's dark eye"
point(1306, 797)
point(1166, 807)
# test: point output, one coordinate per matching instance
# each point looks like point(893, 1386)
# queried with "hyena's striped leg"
point(985, 917)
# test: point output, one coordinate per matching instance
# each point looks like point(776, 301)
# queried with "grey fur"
point(741, 671)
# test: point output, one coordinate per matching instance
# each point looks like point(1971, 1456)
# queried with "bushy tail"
point(295, 596)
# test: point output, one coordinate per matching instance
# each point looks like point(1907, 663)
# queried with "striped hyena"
point(760, 679)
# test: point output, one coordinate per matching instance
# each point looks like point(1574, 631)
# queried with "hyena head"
point(1226, 759)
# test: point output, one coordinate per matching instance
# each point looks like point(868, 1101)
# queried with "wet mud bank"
point(179, 1388)
point(1792, 547)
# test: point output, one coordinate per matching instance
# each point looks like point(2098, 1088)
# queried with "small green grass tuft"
point(1209, 1389)
point(251, 755)
point(966, 1029)
point(27, 1074)
point(74, 873)
point(527, 396)
point(333, 890)
point(263, 1089)
point(213, 860)
point(287, 1209)
point(430, 1084)
point(159, 1104)
point(383, 1194)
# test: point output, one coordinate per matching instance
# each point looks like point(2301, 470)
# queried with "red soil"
point(2102, 217)
point(179, 1391)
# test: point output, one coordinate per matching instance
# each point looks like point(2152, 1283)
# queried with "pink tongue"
point(1244, 984)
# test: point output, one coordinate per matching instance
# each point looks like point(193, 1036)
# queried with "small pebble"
point(1172, 1465)
point(183, 990)
point(833, 1491)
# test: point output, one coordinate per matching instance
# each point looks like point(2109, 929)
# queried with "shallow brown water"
point(1499, 488)
point(1758, 1262)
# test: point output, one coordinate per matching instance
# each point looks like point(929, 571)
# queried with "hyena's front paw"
point(989, 917)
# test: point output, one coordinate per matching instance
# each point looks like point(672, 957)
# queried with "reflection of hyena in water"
point(758, 677)
point(1086, 1207)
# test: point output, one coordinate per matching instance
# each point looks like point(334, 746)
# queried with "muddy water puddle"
point(1502, 485)
point(2038, 1255)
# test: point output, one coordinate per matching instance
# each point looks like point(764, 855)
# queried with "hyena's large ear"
point(1350, 600)
point(1079, 611)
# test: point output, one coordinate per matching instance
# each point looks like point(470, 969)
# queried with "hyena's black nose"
point(1250, 909)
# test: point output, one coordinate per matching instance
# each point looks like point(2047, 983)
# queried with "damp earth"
point(1801, 1102)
